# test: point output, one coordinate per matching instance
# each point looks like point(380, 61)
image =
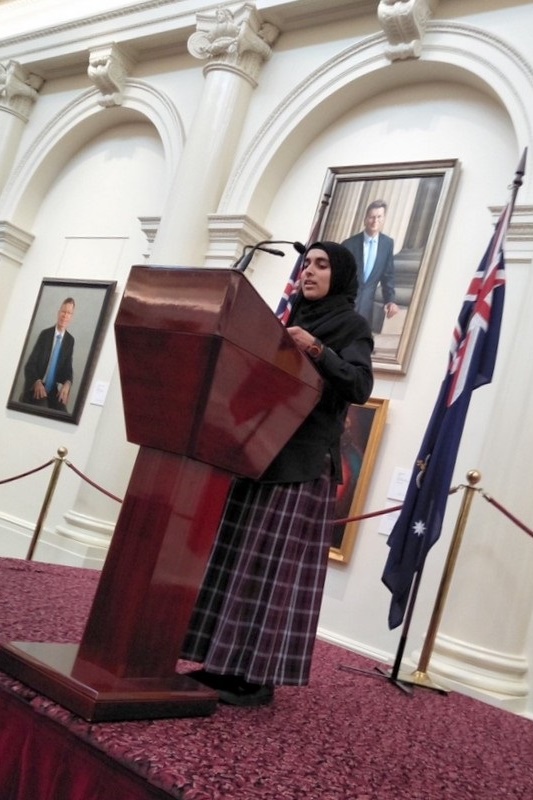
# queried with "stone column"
point(18, 92)
point(14, 244)
point(235, 45)
point(84, 536)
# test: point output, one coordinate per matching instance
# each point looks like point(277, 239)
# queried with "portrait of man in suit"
point(392, 218)
point(48, 372)
point(57, 360)
point(373, 253)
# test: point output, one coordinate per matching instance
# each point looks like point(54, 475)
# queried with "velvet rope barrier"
point(507, 513)
point(58, 462)
point(486, 496)
point(368, 515)
point(29, 472)
point(388, 510)
point(92, 483)
point(61, 459)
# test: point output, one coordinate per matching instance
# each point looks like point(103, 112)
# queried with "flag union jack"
point(473, 321)
point(283, 311)
point(471, 364)
point(286, 302)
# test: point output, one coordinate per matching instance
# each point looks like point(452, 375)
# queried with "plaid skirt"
point(257, 612)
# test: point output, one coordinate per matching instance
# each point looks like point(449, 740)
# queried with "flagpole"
point(394, 673)
point(321, 210)
point(464, 375)
point(283, 310)
point(519, 174)
point(385, 672)
point(419, 676)
point(473, 477)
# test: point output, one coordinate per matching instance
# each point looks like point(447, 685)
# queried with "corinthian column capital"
point(18, 88)
point(236, 40)
point(404, 23)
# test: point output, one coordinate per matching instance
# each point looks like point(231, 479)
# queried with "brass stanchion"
point(420, 677)
point(61, 455)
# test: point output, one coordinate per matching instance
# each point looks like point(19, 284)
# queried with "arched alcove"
point(74, 126)
point(451, 52)
point(82, 187)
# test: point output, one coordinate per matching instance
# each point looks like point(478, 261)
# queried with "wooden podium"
point(213, 386)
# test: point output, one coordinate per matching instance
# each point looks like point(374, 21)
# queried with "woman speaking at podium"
point(255, 620)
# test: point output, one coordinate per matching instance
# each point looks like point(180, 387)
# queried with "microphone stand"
point(242, 263)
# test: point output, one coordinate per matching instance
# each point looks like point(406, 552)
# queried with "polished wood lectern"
point(213, 386)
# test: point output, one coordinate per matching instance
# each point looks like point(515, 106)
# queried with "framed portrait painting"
point(360, 443)
point(61, 347)
point(415, 200)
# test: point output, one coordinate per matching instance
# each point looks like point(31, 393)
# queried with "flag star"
point(419, 528)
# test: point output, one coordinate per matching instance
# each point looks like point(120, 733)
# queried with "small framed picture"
point(61, 347)
point(360, 443)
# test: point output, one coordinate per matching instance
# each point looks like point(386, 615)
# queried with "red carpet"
point(345, 737)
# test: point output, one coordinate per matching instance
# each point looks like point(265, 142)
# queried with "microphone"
point(245, 258)
point(271, 251)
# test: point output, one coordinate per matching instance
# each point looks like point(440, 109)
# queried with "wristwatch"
point(315, 350)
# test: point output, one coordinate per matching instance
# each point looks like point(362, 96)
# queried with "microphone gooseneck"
point(242, 263)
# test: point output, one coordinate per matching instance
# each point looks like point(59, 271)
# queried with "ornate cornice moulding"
point(63, 31)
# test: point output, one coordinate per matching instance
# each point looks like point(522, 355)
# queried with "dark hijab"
point(328, 318)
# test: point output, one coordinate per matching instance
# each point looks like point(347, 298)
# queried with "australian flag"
point(471, 364)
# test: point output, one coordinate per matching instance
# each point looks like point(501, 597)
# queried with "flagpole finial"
point(519, 174)
point(473, 476)
point(521, 169)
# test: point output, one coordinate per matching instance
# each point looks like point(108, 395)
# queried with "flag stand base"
point(404, 681)
point(421, 679)
point(380, 672)
point(407, 681)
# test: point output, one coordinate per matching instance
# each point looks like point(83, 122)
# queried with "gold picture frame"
point(418, 196)
point(360, 444)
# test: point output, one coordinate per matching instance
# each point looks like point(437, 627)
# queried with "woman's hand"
point(302, 339)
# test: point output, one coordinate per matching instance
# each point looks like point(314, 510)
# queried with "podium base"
point(95, 695)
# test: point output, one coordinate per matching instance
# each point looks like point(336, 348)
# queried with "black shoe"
point(214, 681)
point(247, 695)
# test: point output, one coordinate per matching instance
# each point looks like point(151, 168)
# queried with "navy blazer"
point(37, 363)
point(382, 274)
